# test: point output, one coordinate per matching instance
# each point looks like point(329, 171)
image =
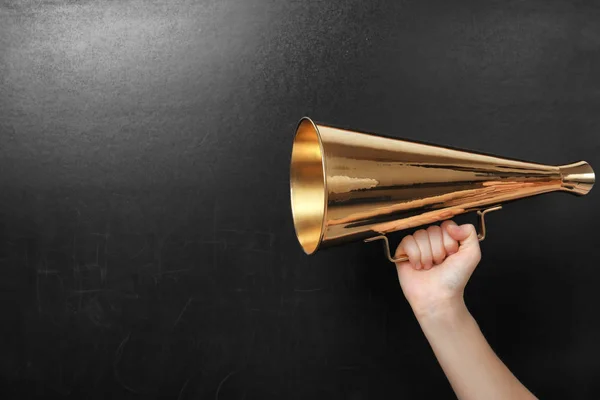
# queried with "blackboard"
point(146, 243)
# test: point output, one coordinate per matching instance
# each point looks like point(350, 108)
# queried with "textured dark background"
point(146, 243)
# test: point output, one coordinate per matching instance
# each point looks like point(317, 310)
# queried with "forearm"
point(472, 367)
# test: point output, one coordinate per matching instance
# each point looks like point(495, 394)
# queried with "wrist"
point(442, 311)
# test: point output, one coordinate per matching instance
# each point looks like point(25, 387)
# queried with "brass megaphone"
point(347, 185)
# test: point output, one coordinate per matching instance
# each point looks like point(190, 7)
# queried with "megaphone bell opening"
point(308, 186)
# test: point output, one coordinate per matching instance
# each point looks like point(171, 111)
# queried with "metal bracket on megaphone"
point(480, 235)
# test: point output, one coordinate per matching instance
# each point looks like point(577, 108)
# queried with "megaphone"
point(348, 186)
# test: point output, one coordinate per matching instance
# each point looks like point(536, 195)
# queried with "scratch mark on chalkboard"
point(251, 232)
point(260, 251)
point(48, 272)
point(215, 252)
point(254, 235)
point(182, 389)
point(37, 293)
point(78, 283)
point(308, 290)
point(90, 266)
point(349, 368)
point(187, 243)
point(122, 294)
point(203, 140)
point(141, 251)
point(74, 255)
point(221, 384)
point(51, 272)
point(182, 311)
point(75, 263)
point(174, 271)
point(103, 235)
point(83, 291)
point(103, 268)
point(159, 275)
point(118, 355)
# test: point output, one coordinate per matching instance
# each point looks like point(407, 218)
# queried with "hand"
point(441, 261)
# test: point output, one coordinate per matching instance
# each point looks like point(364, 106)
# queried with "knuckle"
point(450, 245)
point(448, 222)
point(433, 229)
point(407, 241)
point(420, 233)
point(439, 252)
point(407, 245)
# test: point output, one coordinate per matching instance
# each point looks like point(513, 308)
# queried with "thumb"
point(464, 234)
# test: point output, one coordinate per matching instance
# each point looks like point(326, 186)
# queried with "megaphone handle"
point(481, 213)
point(480, 235)
point(386, 248)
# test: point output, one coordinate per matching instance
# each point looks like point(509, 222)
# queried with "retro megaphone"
point(347, 185)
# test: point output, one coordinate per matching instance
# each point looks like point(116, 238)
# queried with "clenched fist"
point(441, 261)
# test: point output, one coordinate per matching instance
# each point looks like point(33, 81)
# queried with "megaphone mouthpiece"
point(577, 178)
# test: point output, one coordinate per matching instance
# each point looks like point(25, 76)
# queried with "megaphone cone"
point(348, 185)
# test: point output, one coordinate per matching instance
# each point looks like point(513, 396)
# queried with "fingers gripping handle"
point(480, 235)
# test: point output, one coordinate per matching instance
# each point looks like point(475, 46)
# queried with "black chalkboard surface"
point(146, 242)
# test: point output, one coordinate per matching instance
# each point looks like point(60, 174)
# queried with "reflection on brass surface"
point(347, 185)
